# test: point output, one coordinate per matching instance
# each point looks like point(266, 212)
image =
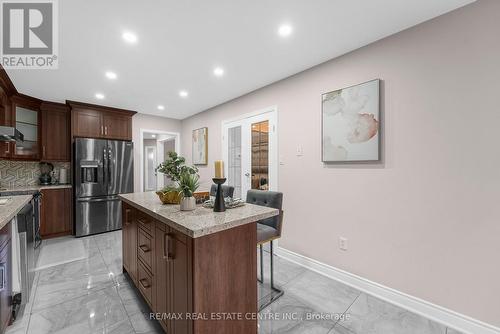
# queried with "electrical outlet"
point(343, 243)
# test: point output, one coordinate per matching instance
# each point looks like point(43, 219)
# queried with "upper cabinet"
point(56, 137)
point(27, 119)
point(93, 121)
point(6, 148)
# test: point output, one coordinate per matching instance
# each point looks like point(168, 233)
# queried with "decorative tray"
point(231, 203)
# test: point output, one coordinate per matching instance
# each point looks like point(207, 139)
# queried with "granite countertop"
point(13, 206)
point(34, 188)
point(201, 221)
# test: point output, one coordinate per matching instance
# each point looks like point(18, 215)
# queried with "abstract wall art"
point(351, 123)
point(200, 146)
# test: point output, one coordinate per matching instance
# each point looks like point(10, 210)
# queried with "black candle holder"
point(219, 204)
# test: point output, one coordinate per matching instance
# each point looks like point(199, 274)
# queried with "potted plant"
point(173, 167)
point(188, 183)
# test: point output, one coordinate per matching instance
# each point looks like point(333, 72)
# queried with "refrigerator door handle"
point(92, 200)
point(110, 180)
point(104, 166)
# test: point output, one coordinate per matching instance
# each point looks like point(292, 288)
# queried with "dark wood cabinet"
point(56, 136)
point(205, 275)
point(5, 278)
point(117, 126)
point(87, 123)
point(129, 244)
point(55, 213)
point(94, 121)
point(172, 277)
point(26, 117)
point(5, 120)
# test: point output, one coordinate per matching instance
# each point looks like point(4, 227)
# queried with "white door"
point(150, 165)
point(250, 152)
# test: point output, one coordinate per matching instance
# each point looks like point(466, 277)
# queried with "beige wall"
point(425, 220)
point(147, 122)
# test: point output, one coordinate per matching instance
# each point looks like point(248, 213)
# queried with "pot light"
point(160, 107)
point(154, 136)
point(111, 75)
point(129, 37)
point(183, 93)
point(285, 30)
point(218, 71)
point(99, 96)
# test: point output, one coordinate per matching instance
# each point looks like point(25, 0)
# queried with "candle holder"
point(219, 204)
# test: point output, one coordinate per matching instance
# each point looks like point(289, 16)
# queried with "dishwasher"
point(28, 227)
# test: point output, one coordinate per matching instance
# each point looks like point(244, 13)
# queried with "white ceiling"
point(180, 42)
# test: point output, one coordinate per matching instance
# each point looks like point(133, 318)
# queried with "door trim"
point(273, 159)
point(177, 137)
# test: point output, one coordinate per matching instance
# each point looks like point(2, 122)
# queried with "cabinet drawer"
point(145, 222)
point(145, 283)
point(145, 249)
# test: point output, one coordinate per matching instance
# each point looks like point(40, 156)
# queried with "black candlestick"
point(219, 204)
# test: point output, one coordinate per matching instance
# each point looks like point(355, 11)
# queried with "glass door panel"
point(249, 148)
point(260, 155)
point(27, 124)
point(234, 160)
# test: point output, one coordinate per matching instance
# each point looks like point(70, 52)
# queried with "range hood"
point(9, 133)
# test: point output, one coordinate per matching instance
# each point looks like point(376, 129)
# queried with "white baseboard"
point(428, 310)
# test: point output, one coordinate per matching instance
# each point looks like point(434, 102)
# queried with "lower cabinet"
point(173, 277)
point(5, 280)
point(184, 279)
point(158, 260)
point(129, 243)
point(55, 213)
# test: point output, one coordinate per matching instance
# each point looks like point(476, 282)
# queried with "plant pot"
point(172, 197)
point(188, 203)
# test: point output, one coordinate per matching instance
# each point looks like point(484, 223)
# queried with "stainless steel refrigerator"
point(103, 169)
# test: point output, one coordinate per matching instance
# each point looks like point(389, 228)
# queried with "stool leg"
point(261, 264)
point(275, 292)
point(272, 265)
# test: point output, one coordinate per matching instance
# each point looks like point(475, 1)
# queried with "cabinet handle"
point(168, 253)
point(8, 148)
point(102, 129)
point(2, 277)
point(144, 248)
point(144, 285)
point(106, 130)
point(43, 151)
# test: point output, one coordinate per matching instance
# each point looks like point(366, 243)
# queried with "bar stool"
point(227, 191)
point(268, 230)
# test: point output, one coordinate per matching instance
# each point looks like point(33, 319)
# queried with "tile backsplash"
point(24, 173)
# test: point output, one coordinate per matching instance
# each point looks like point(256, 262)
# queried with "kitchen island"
point(197, 270)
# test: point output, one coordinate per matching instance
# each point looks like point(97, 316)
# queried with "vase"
point(188, 203)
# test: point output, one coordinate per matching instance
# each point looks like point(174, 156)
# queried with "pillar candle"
point(219, 169)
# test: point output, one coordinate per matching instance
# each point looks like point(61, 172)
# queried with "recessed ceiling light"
point(154, 136)
point(218, 71)
point(99, 96)
point(183, 93)
point(160, 107)
point(129, 37)
point(111, 75)
point(285, 30)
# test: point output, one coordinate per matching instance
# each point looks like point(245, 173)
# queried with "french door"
point(250, 152)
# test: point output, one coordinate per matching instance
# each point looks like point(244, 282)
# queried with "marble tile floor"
point(94, 296)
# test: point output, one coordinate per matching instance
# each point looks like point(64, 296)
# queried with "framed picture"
point(200, 146)
point(350, 123)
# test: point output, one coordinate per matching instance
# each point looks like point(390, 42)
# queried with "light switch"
point(300, 151)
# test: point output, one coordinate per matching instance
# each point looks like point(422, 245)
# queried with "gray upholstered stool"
point(268, 230)
point(227, 191)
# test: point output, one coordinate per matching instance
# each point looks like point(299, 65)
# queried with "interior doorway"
point(155, 146)
point(250, 150)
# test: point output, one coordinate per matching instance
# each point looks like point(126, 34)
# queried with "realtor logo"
point(29, 34)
